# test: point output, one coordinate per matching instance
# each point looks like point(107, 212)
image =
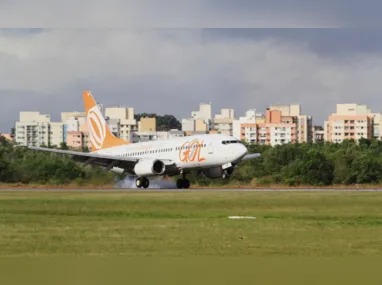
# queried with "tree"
point(312, 169)
point(342, 173)
point(64, 146)
point(4, 141)
point(163, 123)
point(366, 169)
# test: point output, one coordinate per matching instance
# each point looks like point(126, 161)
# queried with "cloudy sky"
point(170, 64)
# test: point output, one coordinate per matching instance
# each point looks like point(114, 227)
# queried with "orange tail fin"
point(99, 133)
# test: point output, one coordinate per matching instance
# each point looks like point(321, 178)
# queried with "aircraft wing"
point(107, 161)
point(250, 156)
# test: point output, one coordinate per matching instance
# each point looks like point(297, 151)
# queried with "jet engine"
point(218, 172)
point(149, 167)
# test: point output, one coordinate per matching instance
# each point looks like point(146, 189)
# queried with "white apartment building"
point(352, 109)
point(304, 123)
point(281, 135)
point(151, 136)
point(200, 121)
point(35, 129)
point(287, 110)
point(66, 116)
point(223, 122)
point(205, 112)
point(318, 134)
point(351, 121)
point(281, 124)
point(57, 134)
point(121, 121)
point(76, 133)
point(114, 125)
point(188, 125)
point(377, 125)
point(245, 128)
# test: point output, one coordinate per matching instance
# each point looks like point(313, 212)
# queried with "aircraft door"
point(210, 148)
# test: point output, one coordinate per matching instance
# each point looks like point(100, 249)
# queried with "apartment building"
point(318, 134)
point(150, 136)
point(377, 125)
point(223, 122)
point(35, 129)
point(114, 126)
point(351, 121)
point(304, 131)
point(76, 131)
point(147, 125)
point(123, 122)
point(66, 116)
point(287, 110)
point(281, 124)
point(195, 125)
point(245, 128)
point(204, 112)
point(75, 140)
point(200, 121)
point(277, 129)
point(57, 134)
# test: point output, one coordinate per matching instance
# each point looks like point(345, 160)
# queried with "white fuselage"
point(200, 151)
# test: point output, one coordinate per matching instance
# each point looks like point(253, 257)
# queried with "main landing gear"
point(142, 182)
point(183, 183)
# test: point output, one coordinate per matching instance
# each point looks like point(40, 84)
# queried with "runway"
point(119, 190)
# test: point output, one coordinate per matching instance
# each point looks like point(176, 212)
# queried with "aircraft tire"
point(186, 183)
point(139, 182)
point(145, 183)
point(183, 183)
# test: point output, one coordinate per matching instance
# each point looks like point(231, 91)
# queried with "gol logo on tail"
point(190, 152)
point(97, 127)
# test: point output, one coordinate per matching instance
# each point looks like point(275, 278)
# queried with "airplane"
point(213, 155)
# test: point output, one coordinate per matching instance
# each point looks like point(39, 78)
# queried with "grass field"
point(191, 224)
point(187, 238)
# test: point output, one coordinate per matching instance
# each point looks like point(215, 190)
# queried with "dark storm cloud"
point(172, 71)
point(191, 14)
point(164, 14)
point(323, 41)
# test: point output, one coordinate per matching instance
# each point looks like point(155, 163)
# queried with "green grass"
point(184, 224)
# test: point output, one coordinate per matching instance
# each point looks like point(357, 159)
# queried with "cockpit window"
point(229, 142)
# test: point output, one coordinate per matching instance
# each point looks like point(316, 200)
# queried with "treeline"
point(317, 164)
point(20, 165)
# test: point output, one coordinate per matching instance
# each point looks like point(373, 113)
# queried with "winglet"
point(99, 133)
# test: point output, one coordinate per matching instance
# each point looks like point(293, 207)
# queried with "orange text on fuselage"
point(191, 152)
